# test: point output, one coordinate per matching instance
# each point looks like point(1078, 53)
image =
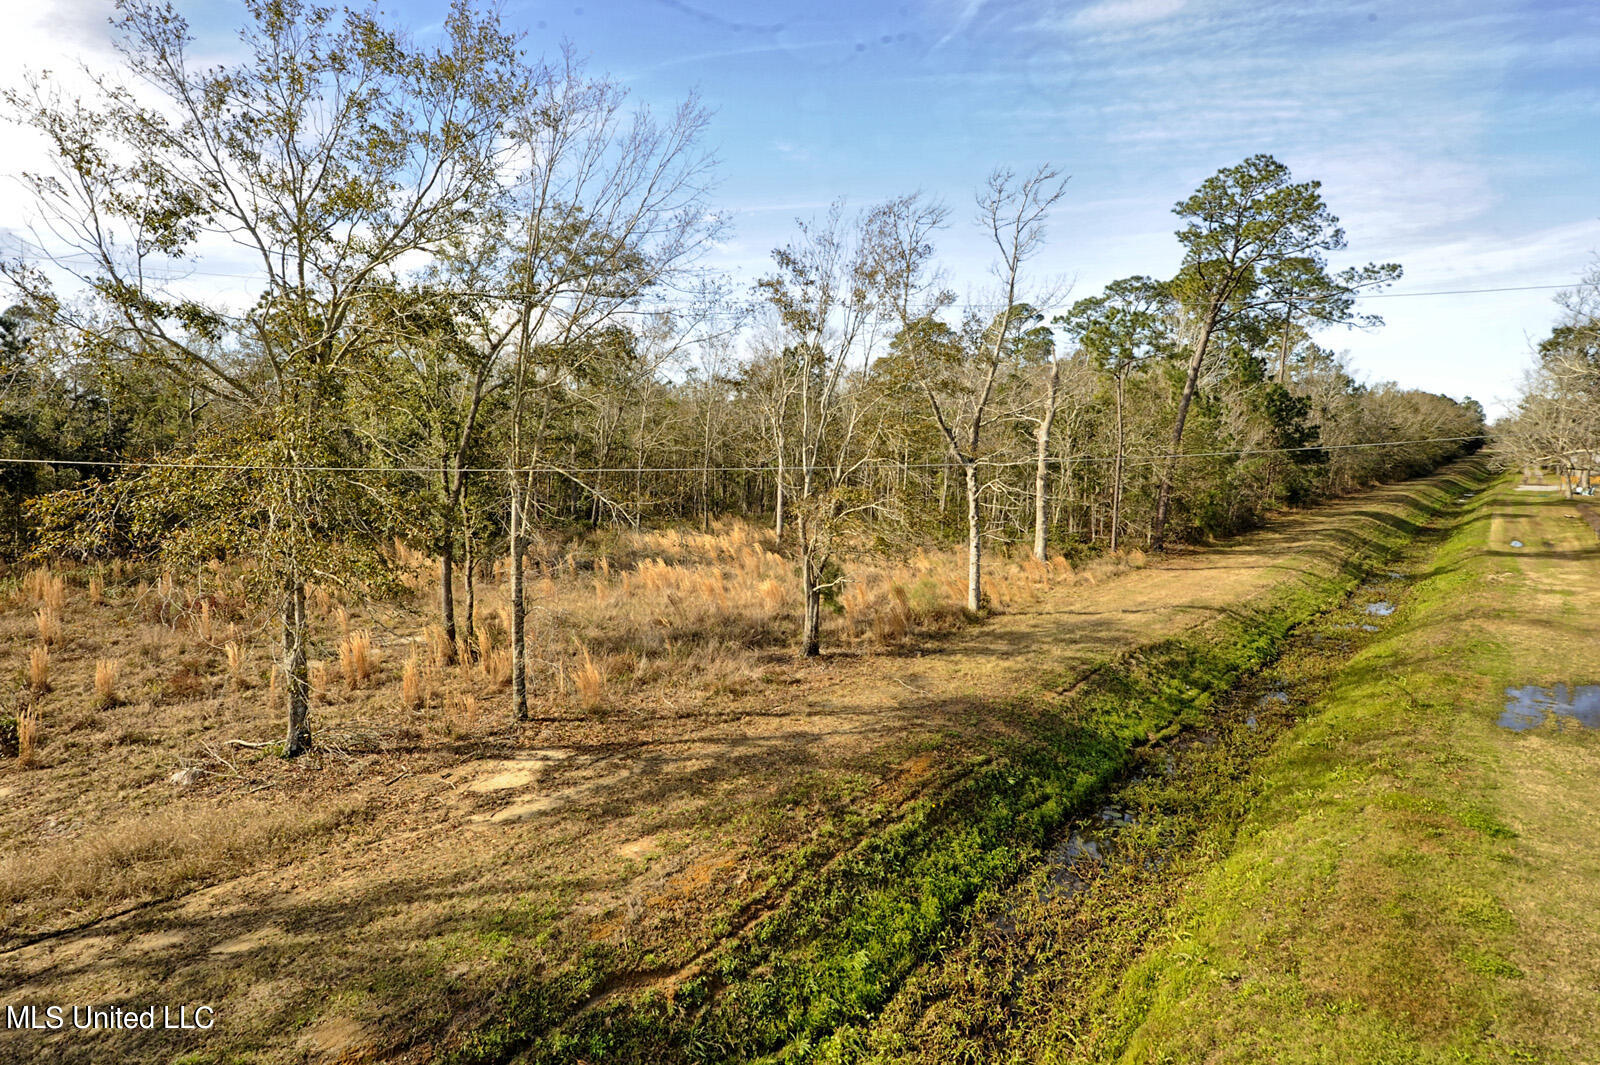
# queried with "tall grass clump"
point(27, 737)
point(49, 625)
point(45, 588)
point(106, 671)
point(412, 683)
point(39, 668)
point(235, 655)
point(590, 680)
point(356, 657)
point(440, 644)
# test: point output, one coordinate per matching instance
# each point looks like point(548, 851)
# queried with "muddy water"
point(1530, 706)
point(1084, 848)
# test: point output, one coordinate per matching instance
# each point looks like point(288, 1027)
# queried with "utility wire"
point(656, 306)
point(563, 470)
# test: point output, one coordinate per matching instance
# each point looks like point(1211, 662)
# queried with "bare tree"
point(959, 379)
point(607, 205)
point(823, 294)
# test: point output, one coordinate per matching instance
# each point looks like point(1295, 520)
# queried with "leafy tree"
point(1254, 240)
point(1126, 326)
point(331, 153)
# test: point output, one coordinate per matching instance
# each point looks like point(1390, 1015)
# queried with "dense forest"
point(476, 308)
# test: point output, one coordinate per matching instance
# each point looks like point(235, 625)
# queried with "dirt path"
point(624, 831)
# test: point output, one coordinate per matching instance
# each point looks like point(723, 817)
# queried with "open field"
point(391, 896)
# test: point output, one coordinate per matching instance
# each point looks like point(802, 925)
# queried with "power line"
point(1453, 292)
point(225, 467)
point(657, 306)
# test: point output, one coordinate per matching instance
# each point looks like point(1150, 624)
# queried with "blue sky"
point(1461, 139)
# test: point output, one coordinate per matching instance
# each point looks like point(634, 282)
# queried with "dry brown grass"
point(39, 668)
point(462, 712)
point(440, 645)
point(413, 684)
point(45, 588)
point(892, 623)
point(235, 653)
point(97, 591)
point(27, 736)
point(590, 679)
point(357, 659)
point(106, 673)
point(318, 676)
point(48, 623)
point(156, 853)
point(688, 607)
point(497, 666)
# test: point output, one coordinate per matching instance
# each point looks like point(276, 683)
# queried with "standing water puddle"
point(1086, 844)
point(1529, 706)
point(1091, 842)
point(1382, 608)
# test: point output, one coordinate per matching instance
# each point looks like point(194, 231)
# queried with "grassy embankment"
point(1375, 871)
point(810, 979)
point(1418, 883)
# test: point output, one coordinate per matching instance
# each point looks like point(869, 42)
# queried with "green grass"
point(1411, 883)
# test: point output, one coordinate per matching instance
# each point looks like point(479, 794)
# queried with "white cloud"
point(793, 152)
point(1116, 14)
point(1554, 255)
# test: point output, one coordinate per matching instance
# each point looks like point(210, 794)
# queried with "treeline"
point(472, 306)
point(1556, 423)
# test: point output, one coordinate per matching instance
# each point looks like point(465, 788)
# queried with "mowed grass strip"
point(1416, 883)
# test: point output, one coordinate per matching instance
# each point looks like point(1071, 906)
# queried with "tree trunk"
point(447, 590)
point(1116, 476)
point(1191, 381)
point(1041, 464)
point(468, 564)
point(1283, 352)
point(519, 651)
point(810, 573)
point(777, 522)
point(974, 541)
point(297, 687)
